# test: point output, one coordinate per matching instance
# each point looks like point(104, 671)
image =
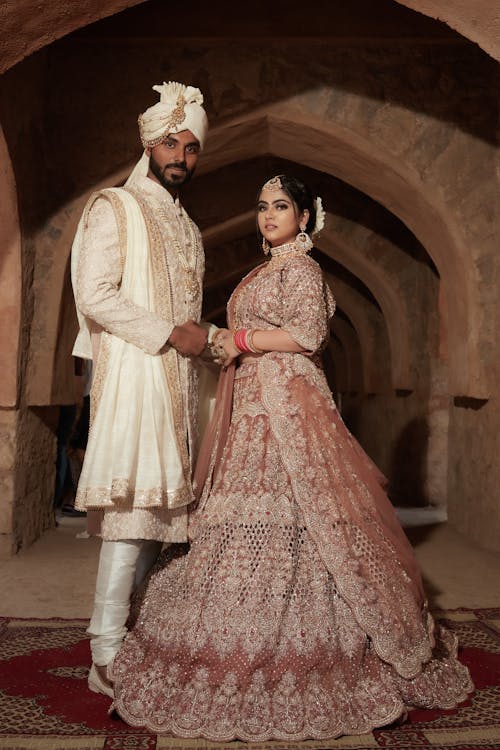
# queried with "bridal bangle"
point(251, 345)
point(243, 341)
point(239, 340)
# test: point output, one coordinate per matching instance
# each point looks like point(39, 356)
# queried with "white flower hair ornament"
point(320, 216)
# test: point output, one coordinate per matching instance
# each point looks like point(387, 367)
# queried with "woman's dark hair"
point(301, 195)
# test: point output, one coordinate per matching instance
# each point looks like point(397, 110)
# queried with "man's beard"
point(177, 180)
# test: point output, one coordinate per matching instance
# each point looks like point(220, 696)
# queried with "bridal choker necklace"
point(297, 247)
point(287, 249)
point(279, 255)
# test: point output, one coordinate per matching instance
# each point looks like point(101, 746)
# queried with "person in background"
point(79, 435)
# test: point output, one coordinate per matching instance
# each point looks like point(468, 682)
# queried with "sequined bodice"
point(289, 294)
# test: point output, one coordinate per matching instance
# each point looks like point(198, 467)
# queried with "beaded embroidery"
point(176, 118)
point(264, 629)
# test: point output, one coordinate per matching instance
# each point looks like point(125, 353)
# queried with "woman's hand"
point(224, 339)
point(275, 340)
point(216, 349)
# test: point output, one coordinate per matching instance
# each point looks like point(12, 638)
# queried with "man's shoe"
point(98, 681)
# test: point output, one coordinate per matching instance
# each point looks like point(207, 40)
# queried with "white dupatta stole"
point(137, 452)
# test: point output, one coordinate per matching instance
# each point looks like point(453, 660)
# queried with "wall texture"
point(391, 117)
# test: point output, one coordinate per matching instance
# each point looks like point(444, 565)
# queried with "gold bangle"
point(250, 344)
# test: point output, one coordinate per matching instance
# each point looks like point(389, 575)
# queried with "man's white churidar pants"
point(123, 565)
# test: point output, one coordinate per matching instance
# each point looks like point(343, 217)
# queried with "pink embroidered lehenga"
point(298, 611)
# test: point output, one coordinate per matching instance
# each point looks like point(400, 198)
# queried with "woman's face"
point(278, 218)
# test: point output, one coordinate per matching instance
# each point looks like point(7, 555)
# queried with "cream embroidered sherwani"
point(138, 271)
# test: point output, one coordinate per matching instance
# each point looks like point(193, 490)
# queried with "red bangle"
point(239, 339)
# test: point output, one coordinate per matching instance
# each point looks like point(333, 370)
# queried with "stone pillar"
point(8, 425)
point(10, 320)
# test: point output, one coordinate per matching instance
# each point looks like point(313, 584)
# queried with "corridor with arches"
point(388, 113)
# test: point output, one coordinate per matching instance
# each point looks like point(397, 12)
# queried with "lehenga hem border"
point(236, 734)
point(175, 730)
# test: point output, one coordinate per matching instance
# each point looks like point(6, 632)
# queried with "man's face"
point(173, 162)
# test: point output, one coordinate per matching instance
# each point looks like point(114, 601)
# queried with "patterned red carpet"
point(45, 703)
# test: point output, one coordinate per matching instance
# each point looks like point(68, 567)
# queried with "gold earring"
point(303, 241)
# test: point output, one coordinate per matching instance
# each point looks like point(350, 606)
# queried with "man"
point(137, 272)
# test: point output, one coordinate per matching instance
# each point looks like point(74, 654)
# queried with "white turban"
point(179, 108)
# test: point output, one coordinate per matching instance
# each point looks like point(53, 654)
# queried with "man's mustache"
point(176, 165)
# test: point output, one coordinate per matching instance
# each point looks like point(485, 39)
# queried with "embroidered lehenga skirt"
point(298, 611)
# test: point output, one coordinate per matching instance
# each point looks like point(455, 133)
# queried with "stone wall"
point(27, 455)
point(27, 30)
point(474, 476)
point(35, 470)
point(27, 465)
point(8, 450)
point(396, 132)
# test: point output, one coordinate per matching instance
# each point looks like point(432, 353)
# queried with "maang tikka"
point(273, 184)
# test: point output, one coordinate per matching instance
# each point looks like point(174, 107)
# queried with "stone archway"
point(392, 306)
point(478, 21)
point(10, 334)
point(358, 150)
point(329, 147)
point(333, 149)
point(26, 30)
point(348, 337)
point(355, 308)
point(10, 281)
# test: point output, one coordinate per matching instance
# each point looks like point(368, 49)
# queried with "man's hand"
point(189, 338)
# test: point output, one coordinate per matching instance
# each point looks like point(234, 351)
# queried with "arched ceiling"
point(478, 20)
point(375, 120)
point(283, 131)
point(289, 130)
point(26, 28)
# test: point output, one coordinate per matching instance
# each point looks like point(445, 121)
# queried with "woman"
point(299, 610)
